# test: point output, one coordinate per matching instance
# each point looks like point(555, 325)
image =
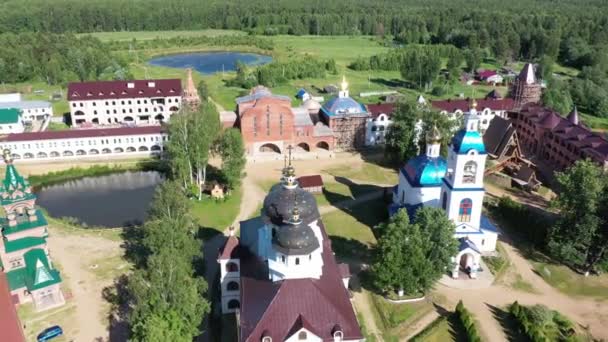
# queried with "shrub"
point(468, 322)
point(542, 324)
point(438, 91)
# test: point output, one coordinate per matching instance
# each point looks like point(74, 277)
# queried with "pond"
point(116, 200)
point(210, 62)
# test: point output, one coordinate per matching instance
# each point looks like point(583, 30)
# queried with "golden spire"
point(8, 158)
point(433, 136)
point(344, 84)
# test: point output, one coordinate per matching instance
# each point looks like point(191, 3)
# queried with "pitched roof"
point(230, 249)
point(483, 74)
point(84, 133)
point(26, 104)
point(498, 136)
point(310, 181)
point(525, 173)
point(9, 321)
point(527, 74)
point(273, 308)
point(100, 90)
point(381, 108)
point(23, 243)
point(466, 243)
point(9, 116)
point(573, 116)
point(464, 105)
point(39, 273)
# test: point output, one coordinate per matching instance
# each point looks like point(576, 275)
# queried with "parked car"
point(50, 333)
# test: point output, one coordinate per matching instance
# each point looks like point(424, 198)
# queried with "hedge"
point(468, 322)
point(541, 324)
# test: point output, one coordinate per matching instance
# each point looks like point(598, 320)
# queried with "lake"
point(116, 200)
point(210, 62)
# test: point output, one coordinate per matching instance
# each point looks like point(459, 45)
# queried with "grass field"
point(218, 215)
point(571, 283)
point(149, 35)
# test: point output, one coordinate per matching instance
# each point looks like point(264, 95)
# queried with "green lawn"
point(218, 215)
point(498, 264)
point(394, 320)
point(520, 284)
point(148, 35)
point(571, 283)
point(367, 172)
point(34, 322)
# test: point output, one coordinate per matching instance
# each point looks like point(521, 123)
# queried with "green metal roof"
point(26, 242)
point(9, 115)
point(39, 273)
point(41, 221)
point(16, 278)
point(14, 182)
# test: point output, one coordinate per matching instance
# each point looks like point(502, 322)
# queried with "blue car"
point(50, 333)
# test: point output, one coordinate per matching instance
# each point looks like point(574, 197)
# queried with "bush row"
point(541, 324)
point(468, 322)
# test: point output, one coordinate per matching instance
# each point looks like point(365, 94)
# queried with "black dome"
point(295, 239)
point(279, 204)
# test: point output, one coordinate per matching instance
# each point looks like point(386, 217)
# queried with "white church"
point(455, 185)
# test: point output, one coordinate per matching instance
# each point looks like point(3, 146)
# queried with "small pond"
point(210, 62)
point(116, 200)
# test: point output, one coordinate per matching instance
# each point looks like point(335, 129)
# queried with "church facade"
point(454, 184)
point(281, 277)
point(24, 254)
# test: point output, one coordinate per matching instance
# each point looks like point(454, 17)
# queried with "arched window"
point(444, 201)
point(464, 211)
point(232, 286)
point(266, 339)
point(297, 261)
point(470, 170)
point(302, 336)
point(234, 304)
point(338, 336)
point(232, 267)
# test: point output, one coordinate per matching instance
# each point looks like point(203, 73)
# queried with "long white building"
point(31, 110)
point(85, 143)
point(117, 102)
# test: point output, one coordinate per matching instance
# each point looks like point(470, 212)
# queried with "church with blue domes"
point(454, 184)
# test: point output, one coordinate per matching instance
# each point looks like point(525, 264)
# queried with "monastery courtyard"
point(92, 260)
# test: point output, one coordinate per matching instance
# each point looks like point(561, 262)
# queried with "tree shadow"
point(351, 251)
point(509, 325)
point(456, 328)
point(119, 298)
point(135, 252)
point(369, 213)
point(392, 83)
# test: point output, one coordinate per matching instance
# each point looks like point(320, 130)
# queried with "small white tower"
point(230, 274)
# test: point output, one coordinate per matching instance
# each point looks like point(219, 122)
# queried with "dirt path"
point(251, 200)
point(486, 303)
point(75, 254)
point(363, 306)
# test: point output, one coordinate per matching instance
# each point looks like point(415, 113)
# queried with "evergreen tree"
point(203, 90)
point(557, 97)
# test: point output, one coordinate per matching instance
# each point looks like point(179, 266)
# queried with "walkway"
point(483, 303)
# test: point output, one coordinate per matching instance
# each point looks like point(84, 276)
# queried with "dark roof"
point(344, 270)
point(493, 95)
point(274, 308)
point(573, 116)
point(525, 173)
point(498, 136)
point(100, 90)
point(464, 105)
point(310, 181)
point(9, 321)
point(83, 133)
point(550, 120)
point(279, 203)
point(295, 239)
point(466, 243)
point(483, 74)
point(382, 108)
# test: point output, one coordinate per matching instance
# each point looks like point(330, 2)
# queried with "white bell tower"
point(462, 192)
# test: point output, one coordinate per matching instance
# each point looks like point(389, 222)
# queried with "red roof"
point(463, 105)
point(273, 308)
point(382, 108)
point(484, 74)
point(10, 326)
point(83, 133)
point(100, 90)
point(230, 248)
point(310, 181)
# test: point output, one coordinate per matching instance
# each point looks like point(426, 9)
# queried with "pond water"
point(116, 200)
point(210, 62)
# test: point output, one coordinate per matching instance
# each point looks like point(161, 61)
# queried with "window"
point(281, 124)
point(297, 261)
point(283, 258)
point(302, 336)
point(483, 242)
point(444, 201)
point(266, 339)
point(470, 170)
point(232, 286)
point(374, 128)
point(267, 122)
point(255, 126)
point(232, 267)
point(464, 211)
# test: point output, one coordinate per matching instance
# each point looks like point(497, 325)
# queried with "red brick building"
point(270, 124)
point(556, 141)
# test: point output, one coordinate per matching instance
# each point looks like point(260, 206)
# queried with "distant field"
point(148, 35)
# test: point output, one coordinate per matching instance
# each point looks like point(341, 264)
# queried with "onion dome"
point(294, 237)
point(433, 136)
point(573, 116)
point(281, 200)
point(343, 106)
point(424, 171)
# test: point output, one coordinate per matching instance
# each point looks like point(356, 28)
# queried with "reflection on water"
point(115, 200)
point(210, 62)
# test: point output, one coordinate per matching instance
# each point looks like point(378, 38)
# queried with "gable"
point(310, 336)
